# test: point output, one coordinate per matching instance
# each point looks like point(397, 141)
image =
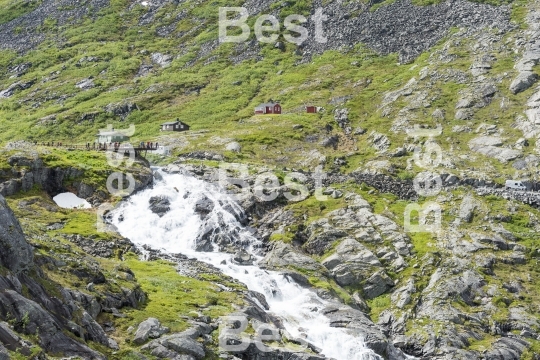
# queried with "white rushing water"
point(71, 201)
point(176, 232)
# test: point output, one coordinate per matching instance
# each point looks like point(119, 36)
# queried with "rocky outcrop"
point(34, 172)
point(59, 324)
point(491, 146)
point(283, 255)
point(34, 320)
point(29, 170)
point(352, 263)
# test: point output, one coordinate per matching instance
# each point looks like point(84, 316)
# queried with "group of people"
point(51, 143)
point(111, 145)
point(105, 146)
point(148, 145)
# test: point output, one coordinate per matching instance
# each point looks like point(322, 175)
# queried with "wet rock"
point(204, 206)
point(242, 257)
point(159, 205)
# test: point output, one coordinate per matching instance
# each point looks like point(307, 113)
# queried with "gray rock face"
point(122, 109)
point(283, 255)
point(379, 141)
point(161, 59)
point(15, 253)
point(351, 263)
point(463, 114)
point(331, 141)
point(377, 284)
point(12, 89)
point(321, 235)
point(4, 354)
point(402, 296)
point(149, 329)
point(342, 118)
point(39, 322)
point(93, 331)
point(466, 210)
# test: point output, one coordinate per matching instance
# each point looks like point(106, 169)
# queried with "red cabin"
point(268, 108)
point(311, 109)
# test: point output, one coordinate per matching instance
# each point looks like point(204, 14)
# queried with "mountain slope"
point(469, 69)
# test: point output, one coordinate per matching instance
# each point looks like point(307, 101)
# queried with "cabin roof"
point(267, 104)
point(174, 122)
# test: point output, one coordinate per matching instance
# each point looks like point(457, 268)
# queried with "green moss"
point(172, 296)
point(378, 305)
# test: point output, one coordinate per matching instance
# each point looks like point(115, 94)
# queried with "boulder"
point(242, 257)
point(159, 205)
point(234, 147)
point(204, 206)
point(523, 81)
point(184, 345)
point(464, 114)
point(149, 329)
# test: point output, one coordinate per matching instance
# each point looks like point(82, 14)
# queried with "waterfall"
point(181, 230)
